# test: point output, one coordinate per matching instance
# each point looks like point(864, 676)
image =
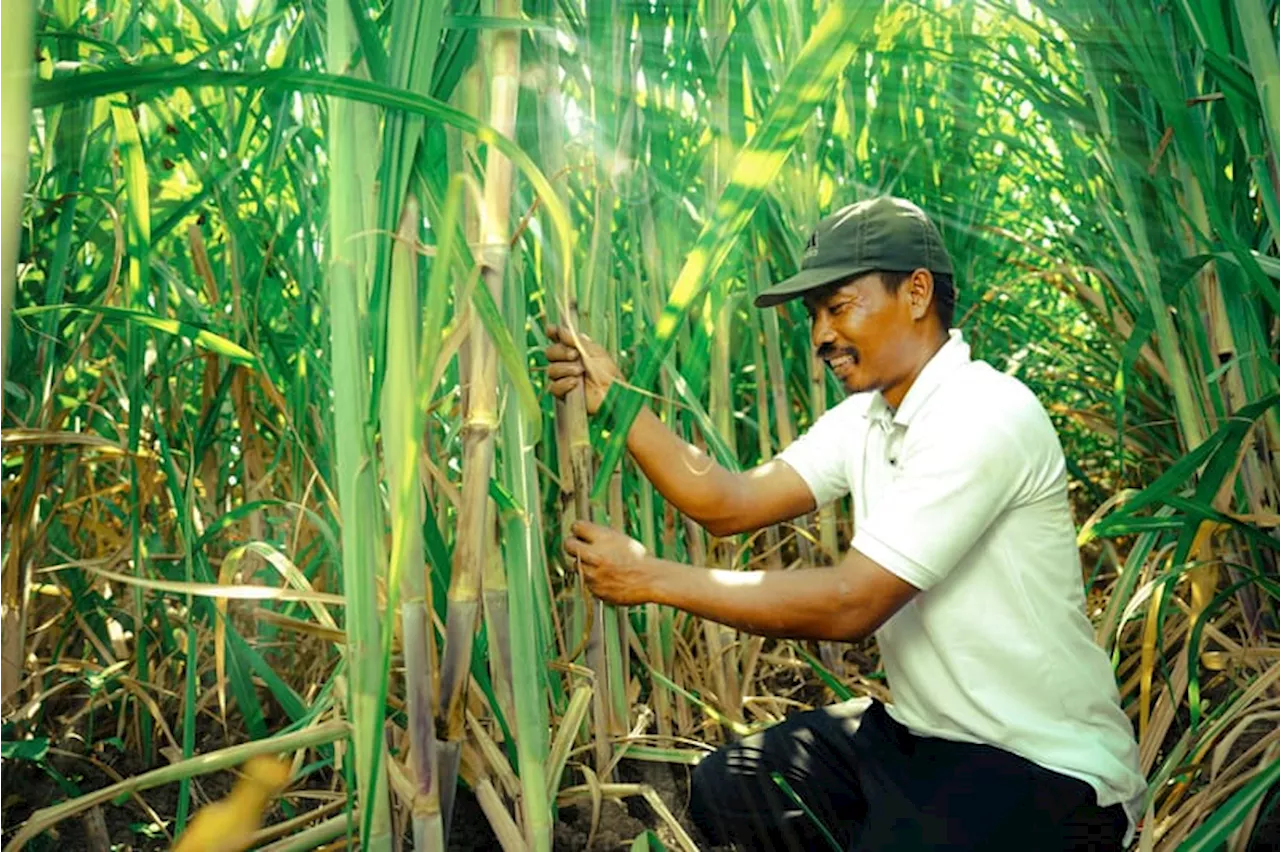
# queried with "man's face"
point(862, 331)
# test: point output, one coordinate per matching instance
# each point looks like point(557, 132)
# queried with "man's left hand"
point(615, 566)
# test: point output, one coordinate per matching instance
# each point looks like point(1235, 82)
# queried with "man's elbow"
point(848, 630)
point(722, 527)
point(726, 514)
point(855, 621)
point(848, 620)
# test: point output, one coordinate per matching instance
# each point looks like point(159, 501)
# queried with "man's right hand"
point(575, 357)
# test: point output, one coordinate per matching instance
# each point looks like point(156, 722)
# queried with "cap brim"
point(804, 281)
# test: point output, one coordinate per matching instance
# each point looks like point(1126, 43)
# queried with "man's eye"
point(838, 307)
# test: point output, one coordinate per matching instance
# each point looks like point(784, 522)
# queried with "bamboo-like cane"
point(401, 428)
point(573, 445)
point(15, 84)
point(357, 488)
point(481, 419)
point(527, 642)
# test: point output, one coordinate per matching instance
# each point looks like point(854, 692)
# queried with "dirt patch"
point(615, 830)
point(621, 822)
point(29, 787)
point(469, 831)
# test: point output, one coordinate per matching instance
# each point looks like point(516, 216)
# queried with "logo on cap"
point(811, 247)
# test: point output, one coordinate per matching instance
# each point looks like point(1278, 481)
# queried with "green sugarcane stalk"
point(1264, 62)
point(138, 281)
point(497, 618)
point(1145, 269)
point(657, 619)
point(551, 136)
point(357, 489)
point(764, 442)
point(721, 638)
point(577, 463)
point(15, 109)
point(529, 630)
point(481, 420)
point(470, 551)
point(617, 658)
point(494, 585)
point(749, 654)
point(455, 661)
point(581, 475)
point(402, 426)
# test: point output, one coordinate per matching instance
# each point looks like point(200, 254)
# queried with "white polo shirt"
point(962, 492)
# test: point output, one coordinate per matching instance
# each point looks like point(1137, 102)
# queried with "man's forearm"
point(687, 477)
point(806, 603)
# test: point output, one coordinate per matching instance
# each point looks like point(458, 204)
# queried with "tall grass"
point(282, 280)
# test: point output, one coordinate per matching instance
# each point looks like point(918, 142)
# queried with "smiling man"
point(1005, 730)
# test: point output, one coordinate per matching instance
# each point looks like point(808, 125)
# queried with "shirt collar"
point(953, 355)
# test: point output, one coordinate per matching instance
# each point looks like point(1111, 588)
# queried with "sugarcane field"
point(640, 425)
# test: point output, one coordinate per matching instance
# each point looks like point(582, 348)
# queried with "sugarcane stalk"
point(577, 469)
point(357, 489)
point(474, 540)
point(582, 475)
point(497, 618)
point(663, 270)
point(617, 658)
point(15, 97)
point(657, 619)
point(719, 327)
point(528, 630)
point(469, 553)
point(402, 428)
point(720, 637)
point(1264, 61)
point(764, 441)
point(749, 655)
point(573, 448)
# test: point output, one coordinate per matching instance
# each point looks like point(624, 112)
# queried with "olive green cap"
point(885, 233)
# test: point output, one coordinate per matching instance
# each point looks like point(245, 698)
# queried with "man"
point(1005, 730)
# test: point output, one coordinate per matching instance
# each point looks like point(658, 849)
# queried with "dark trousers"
point(876, 787)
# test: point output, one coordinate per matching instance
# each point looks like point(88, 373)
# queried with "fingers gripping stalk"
point(580, 373)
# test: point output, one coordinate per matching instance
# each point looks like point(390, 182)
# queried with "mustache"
point(827, 352)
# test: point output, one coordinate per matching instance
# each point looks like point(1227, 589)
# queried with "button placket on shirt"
point(884, 441)
point(895, 435)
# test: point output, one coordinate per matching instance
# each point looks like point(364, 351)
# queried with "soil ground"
point(27, 787)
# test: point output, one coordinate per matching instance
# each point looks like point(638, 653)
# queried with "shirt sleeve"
point(820, 454)
point(955, 481)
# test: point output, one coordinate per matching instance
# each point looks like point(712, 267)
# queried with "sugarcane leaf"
point(828, 50)
point(152, 77)
point(1213, 833)
point(506, 501)
point(201, 337)
point(33, 749)
point(724, 455)
point(647, 842)
point(841, 691)
point(1221, 447)
point(514, 362)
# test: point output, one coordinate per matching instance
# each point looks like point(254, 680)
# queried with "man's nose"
point(822, 332)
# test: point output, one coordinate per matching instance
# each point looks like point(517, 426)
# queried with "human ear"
point(920, 293)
